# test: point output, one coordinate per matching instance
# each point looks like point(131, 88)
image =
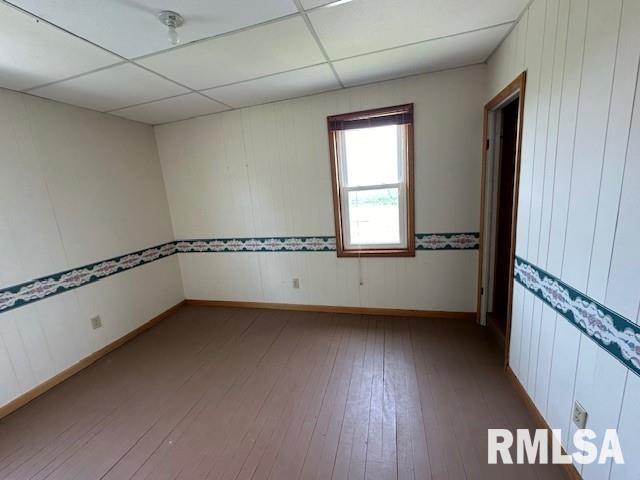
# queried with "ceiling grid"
point(115, 57)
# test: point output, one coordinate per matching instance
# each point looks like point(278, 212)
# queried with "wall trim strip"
point(47, 286)
point(614, 333)
point(43, 287)
point(257, 244)
point(424, 241)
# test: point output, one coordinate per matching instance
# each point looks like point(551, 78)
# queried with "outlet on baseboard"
point(579, 415)
point(296, 283)
point(96, 322)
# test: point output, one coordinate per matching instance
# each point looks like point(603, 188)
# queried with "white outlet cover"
point(96, 322)
point(579, 415)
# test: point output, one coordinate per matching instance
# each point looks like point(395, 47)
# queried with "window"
point(372, 173)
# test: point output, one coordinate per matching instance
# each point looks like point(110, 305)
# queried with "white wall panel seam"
point(555, 164)
point(251, 196)
point(624, 168)
point(533, 368)
point(24, 348)
point(28, 114)
point(13, 367)
point(534, 119)
point(575, 383)
point(526, 35)
point(618, 425)
point(546, 153)
point(522, 322)
point(38, 148)
point(528, 314)
point(575, 131)
point(556, 319)
point(604, 149)
point(545, 38)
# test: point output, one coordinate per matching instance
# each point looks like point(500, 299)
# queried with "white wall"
point(264, 171)
point(76, 187)
point(578, 207)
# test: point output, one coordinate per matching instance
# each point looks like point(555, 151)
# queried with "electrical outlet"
point(96, 322)
point(579, 416)
point(296, 283)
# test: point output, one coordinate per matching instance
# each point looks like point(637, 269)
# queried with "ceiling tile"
point(112, 88)
point(430, 56)
point(131, 29)
point(307, 4)
point(277, 87)
point(365, 26)
point(34, 53)
point(171, 109)
point(272, 48)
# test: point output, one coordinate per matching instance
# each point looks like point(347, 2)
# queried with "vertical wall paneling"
point(579, 198)
point(628, 428)
point(539, 161)
point(566, 339)
point(566, 347)
point(520, 58)
point(545, 357)
point(553, 126)
point(534, 46)
point(599, 388)
point(567, 122)
point(623, 293)
point(595, 92)
point(283, 188)
point(8, 378)
point(615, 150)
point(547, 328)
point(15, 348)
point(541, 131)
point(595, 367)
point(76, 187)
point(533, 54)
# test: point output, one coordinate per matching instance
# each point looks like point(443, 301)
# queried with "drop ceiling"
point(113, 56)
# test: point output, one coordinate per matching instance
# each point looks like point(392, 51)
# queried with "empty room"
point(316, 239)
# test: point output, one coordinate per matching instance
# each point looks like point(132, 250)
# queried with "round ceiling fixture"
point(172, 20)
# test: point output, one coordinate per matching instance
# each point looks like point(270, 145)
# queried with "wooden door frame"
point(515, 88)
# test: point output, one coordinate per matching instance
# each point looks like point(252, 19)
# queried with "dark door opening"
point(504, 213)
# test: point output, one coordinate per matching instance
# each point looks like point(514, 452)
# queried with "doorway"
point(500, 174)
point(502, 248)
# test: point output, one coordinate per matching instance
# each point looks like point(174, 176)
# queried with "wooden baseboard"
point(569, 469)
point(82, 364)
point(387, 312)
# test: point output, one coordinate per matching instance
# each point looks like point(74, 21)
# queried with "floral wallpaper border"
point(610, 330)
point(40, 288)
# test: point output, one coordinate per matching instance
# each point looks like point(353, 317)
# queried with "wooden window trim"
point(410, 249)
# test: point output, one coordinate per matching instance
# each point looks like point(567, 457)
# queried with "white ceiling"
point(113, 56)
point(171, 109)
point(297, 83)
point(264, 50)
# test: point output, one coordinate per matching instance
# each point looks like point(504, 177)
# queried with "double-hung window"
point(372, 173)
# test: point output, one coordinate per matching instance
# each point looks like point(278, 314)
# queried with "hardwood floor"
point(247, 394)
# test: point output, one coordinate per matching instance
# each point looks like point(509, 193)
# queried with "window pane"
point(374, 216)
point(372, 155)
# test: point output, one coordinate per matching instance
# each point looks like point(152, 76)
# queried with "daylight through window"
point(371, 158)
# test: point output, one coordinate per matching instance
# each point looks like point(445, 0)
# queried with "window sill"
point(377, 252)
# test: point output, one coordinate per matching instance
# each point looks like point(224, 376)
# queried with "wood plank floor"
point(214, 393)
